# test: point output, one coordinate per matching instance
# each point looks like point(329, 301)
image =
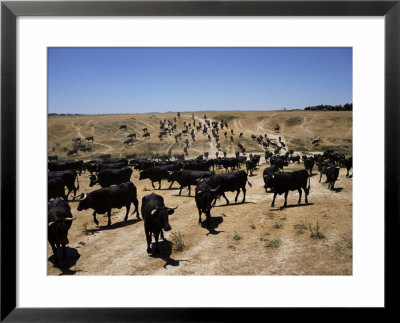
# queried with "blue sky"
point(131, 80)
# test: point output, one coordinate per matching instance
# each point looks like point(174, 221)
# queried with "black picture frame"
point(10, 10)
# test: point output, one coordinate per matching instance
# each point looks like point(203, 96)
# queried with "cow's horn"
point(69, 219)
point(84, 197)
point(51, 223)
point(153, 212)
point(215, 189)
point(199, 192)
point(174, 208)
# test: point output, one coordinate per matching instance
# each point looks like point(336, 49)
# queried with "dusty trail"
point(109, 148)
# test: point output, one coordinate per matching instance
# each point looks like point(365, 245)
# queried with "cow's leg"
point(54, 248)
point(109, 217)
point(286, 194)
point(320, 176)
point(299, 196)
point(152, 184)
point(208, 216)
point(171, 185)
point(180, 190)
point(189, 191)
point(136, 204)
point(128, 206)
point(94, 218)
point(159, 184)
point(227, 201)
point(162, 235)
point(273, 200)
point(156, 238)
point(199, 217)
point(306, 192)
point(148, 239)
point(237, 194)
point(244, 194)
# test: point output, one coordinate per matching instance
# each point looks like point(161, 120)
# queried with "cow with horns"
point(59, 221)
point(155, 215)
point(109, 176)
point(107, 198)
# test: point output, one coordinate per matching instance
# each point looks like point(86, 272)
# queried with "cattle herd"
point(211, 177)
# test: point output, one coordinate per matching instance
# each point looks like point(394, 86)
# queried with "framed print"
point(209, 72)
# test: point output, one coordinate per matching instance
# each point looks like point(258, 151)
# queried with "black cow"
point(188, 178)
point(155, 215)
point(267, 173)
point(107, 198)
point(91, 138)
point(86, 149)
point(158, 173)
point(308, 163)
point(54, 157)
point(66, 165)
point(147, 134)
point(132, 135)
point(295, 159)
point(348, 163)
point(103, 166)
point(68, 177)
point(229, 162)
point(285, 182)
point(277, 161)
point(108, 177)
point(204, 196)
point(105, 156)
point(122, 127)
point(332, 174)
point(72, 152)
point(55, 188)
point(128, 142)
point(59, 220)
point(251, 165)
point(322, 167)
point(230, 182)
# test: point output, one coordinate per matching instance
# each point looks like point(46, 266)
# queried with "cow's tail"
point(309, 184)
point(77, 182)
point(249, 183)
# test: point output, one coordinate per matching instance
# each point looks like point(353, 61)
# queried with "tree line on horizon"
point(324, 107)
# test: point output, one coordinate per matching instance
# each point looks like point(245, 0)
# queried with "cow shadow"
point(214, 223)
point(312, 175)
point(291, 206)
point(177, 195)
point(115, 225)
point(164, 253)
point(337, 189)
point(66, 262)
point(233, 204)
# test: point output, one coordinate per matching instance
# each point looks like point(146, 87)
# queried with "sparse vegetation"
point(300, 228)
point(236, 236)
point(177, 241)
point(85, 230)
point(252, 226)
point(316, 232)
point(272, 244)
